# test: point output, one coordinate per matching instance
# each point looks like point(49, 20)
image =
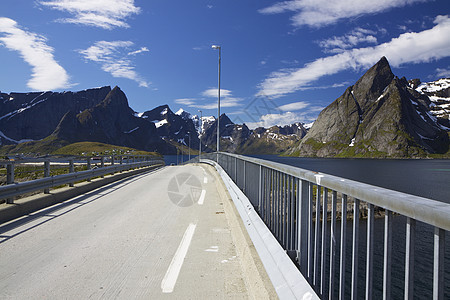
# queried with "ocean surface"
point(429, 178)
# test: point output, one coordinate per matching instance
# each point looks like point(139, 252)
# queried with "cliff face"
point(111, 121)
point(380, 116)
point(34, 116)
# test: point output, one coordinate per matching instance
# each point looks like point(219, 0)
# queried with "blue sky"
point(282, 61)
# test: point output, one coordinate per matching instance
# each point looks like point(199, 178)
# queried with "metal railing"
point(98, 166)
point(301, 208)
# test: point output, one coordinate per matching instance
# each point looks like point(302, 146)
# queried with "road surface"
point(164, 234)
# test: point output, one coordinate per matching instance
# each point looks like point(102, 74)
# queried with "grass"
point(54, 146)
point(94, 148)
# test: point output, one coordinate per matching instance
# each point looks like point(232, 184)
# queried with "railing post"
point(355, 250)
point(324, 241)
point(102, 165)
point(310, 233)
point(71, 170)
point(316, 240)
point(332, 244)
point(235, 170)
point(88, 163)
point(10, 179)
point(47, 174)
point(245, 176)
point(369, 258)
point(387, 262)
point(409, 257)
point(260, 189)
point(343, 248)
point(438, 265)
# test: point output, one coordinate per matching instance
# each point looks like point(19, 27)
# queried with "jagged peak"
point(372, 84)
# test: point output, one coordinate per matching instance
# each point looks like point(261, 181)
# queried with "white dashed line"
point(170, 279)
point(202, 197)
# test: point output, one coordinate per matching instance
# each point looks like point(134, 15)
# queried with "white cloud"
point(186, 101)
point(105, 14)
point(47, 74)
point(318, 13)
point(113, 60)
point(282, 119)
point(443, 72)
point(143, 49)
point(226, 99)
point(213, 92)
point(338, 44)
point(293, 106)
point(411, 47)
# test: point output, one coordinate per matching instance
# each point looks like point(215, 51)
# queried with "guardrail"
point(116, 164)
point(300, 207)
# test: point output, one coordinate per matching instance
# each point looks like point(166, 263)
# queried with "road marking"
point(205, 179)
point(212, 249)
point(202, 197)
point(170, 279)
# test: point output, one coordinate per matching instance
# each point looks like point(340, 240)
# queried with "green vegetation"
point(95, 148)
point(42, 147)
point(53, 146)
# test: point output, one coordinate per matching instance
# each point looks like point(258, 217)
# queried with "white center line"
point(205, 179)
point(202, 197)
point(170, 279)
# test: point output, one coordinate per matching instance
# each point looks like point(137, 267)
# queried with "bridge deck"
point(157, 235)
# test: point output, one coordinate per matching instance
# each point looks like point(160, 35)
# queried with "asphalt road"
point(163, 234)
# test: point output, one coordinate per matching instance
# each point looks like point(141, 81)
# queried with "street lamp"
point(216, 47)
point(200, 136)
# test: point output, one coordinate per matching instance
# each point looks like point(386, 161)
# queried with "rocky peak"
point(372, 84)
point(381, 115)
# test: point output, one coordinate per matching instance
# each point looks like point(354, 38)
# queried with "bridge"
point(226, 226)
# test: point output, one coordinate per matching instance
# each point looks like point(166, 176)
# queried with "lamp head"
point(215, 46)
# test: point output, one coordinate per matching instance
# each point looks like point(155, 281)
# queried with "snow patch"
point(130, 131)
point(18, 111)
point(308, 126)
point(352, 143)
point(160, 123)
point(13, 140)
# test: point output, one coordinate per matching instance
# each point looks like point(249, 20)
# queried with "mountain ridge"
point(380, 116)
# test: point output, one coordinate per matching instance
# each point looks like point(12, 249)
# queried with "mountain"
point(111, 121)
point(173, 128)
point(439, 94)
point(44, 122)
point(34, 116)
point(238, 138)
point(51, 120)
point(379, 116)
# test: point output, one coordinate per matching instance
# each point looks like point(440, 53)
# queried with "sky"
point(281, 61)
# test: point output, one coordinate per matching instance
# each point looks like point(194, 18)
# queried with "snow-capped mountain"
point(439, 94)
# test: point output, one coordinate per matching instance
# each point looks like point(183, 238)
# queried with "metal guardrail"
point(296, 204)
point(117, 164)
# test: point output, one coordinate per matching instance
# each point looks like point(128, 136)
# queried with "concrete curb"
point(37, 202)
point(287, 280)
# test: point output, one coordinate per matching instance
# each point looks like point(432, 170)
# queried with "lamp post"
point(216, 47)
point(189, 136)
point(200, 136)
